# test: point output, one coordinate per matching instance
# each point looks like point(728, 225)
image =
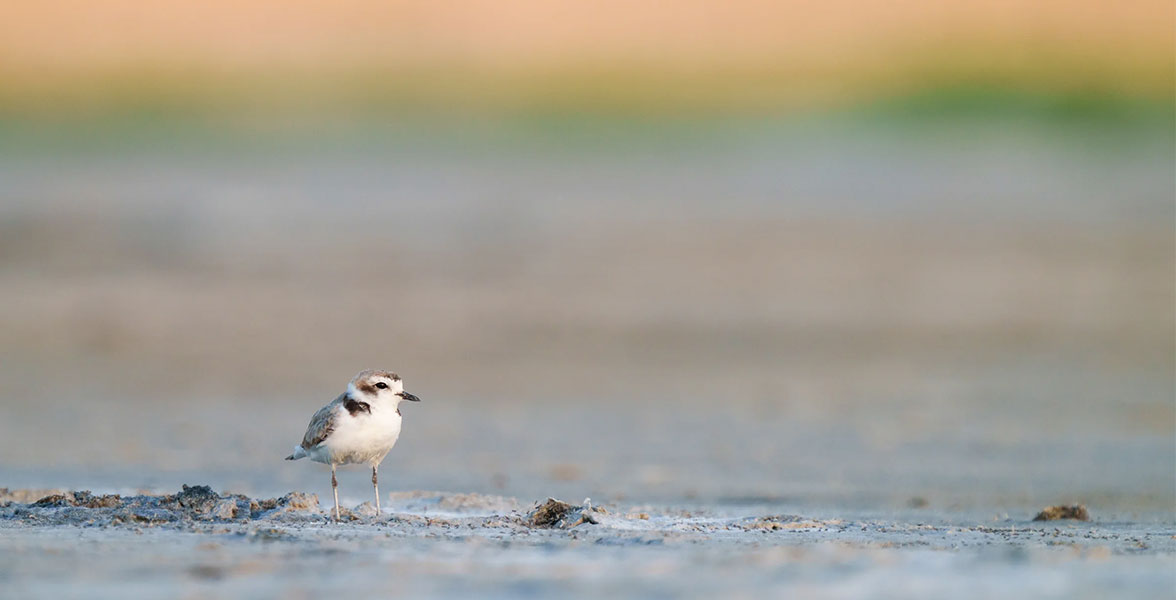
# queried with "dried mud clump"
point(548, 514)
point(1055, 513)
point(555, 514)
point(292, 502)
point(192, 504)
point(201, 503)
point(83, 499)
point(196, 498)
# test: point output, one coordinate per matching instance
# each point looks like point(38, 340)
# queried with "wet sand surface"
point(775, 378)
point(760, 503)
point(198, 542)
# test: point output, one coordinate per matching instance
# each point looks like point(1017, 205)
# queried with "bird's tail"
point(298, 453)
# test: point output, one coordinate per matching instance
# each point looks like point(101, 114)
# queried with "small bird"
point(360, 426)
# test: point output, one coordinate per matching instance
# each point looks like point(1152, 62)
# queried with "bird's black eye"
point(382, 385)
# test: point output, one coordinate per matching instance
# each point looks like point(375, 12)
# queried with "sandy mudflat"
point(805, 363)
point(198, 542)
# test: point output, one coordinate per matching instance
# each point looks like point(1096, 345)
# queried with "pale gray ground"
point(461, 544)
point(911, 346)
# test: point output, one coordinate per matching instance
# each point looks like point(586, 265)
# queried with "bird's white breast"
point(363, 438)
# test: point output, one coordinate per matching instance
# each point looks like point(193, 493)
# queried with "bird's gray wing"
point(321, 424)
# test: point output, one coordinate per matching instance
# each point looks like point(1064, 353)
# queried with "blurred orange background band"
point(839, 48)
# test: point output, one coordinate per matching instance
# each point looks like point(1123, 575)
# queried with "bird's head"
point(379, 385)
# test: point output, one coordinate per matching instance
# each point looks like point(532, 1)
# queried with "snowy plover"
point(360, 426)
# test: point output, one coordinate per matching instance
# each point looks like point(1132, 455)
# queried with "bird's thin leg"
point(335, 490)
point(376, 488)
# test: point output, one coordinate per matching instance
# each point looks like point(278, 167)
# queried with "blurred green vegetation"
point(579, 105)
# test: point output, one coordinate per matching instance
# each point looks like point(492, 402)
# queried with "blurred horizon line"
point(1045, 88)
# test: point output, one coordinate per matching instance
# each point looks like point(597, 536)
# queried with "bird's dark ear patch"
point(365, 387)
point(355, 407)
